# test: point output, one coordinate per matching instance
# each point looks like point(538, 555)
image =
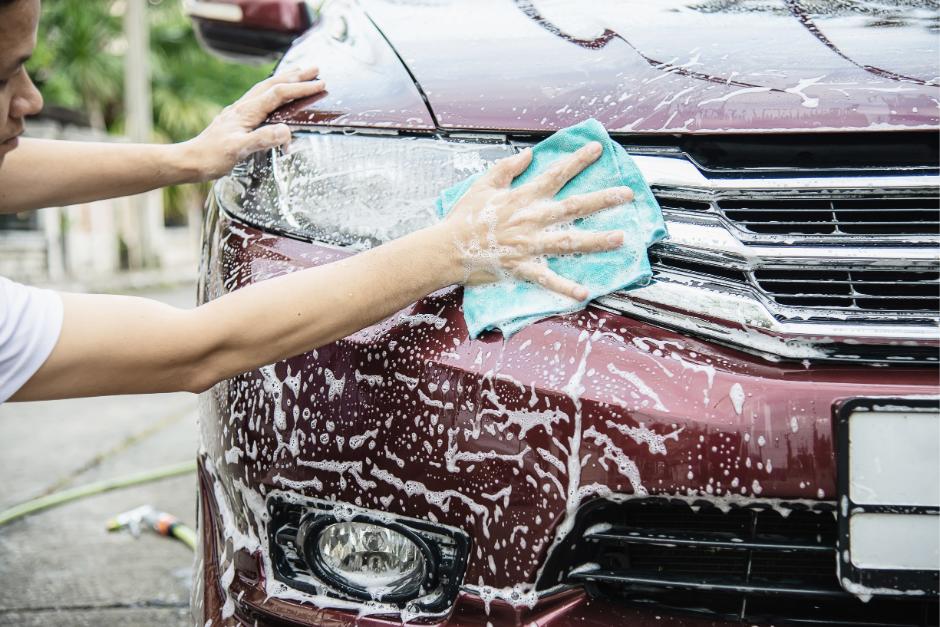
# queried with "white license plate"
point(893, 489)
point(893, 542)
point(894, 458)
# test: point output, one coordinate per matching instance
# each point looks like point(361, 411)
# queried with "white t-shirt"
point(30, 323)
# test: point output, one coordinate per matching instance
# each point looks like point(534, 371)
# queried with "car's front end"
point(749, 439)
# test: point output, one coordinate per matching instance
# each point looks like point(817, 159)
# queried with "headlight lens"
point(371, 557)
point(352, 190)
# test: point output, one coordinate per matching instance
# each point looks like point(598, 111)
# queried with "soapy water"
point(567, 442)
point(450, 442)
point(484, 253)
point(360, 193)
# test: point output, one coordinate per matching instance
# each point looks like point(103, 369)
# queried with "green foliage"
point(190, 86)
point(74, 62)
point(78, 64)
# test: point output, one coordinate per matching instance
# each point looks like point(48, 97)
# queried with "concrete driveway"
point(61, 567)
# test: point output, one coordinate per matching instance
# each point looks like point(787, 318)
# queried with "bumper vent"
point(744, 564)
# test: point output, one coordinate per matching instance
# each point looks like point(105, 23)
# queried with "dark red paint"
point(526, 65)
point(656, 67)
point(367, 86)
point(542, 358)
point(568, 608)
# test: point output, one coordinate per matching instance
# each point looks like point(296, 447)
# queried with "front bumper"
point(503, 439)
point(246, 602)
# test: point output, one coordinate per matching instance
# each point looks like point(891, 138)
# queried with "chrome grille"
point(800, 265)
point(843, 215)
point(817, 216)
point(877, 291)
point(874, 289)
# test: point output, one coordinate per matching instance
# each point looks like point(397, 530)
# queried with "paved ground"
point(60, 567)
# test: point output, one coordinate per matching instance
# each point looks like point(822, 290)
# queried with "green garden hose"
point(66, 496)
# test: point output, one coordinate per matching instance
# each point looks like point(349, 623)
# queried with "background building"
point(119, 70)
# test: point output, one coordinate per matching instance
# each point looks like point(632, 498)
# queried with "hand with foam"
point(234, 133)
point(500, 232)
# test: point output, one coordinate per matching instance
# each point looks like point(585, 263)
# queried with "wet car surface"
point(669, 456)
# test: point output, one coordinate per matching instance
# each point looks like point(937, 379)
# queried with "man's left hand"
point(234, 133)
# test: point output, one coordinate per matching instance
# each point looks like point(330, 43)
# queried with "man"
point(66, 345)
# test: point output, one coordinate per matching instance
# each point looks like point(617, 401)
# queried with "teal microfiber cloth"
point(511, 304)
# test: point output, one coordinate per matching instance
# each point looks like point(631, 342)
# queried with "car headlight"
point(352, 190)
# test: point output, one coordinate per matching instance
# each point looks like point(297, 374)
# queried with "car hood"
point(669, 66)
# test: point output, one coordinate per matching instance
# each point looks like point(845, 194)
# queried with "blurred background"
point(109, 70)
point(114, 70)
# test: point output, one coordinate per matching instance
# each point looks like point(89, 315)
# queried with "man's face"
point(18, 96)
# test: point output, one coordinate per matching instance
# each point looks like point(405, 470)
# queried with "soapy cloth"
point(511, 304)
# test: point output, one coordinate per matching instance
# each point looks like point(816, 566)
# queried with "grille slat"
point(882, 290)
point(927, 282)
point(836, 216)
point(823, 216)
point(736, 586)
point(729, 541)
point(879, 210)
point(856, 291)
point(830, 222)
point(866, 296)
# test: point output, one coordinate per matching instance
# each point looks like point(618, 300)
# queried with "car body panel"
point(505, 439)
point(566, 608)
point(661, 67)
point(367, 86)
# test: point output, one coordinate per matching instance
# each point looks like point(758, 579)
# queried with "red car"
point(753, 438)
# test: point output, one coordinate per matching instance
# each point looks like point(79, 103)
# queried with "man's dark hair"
point(4, 3)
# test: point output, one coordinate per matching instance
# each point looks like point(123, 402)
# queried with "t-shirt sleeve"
point(30, 323)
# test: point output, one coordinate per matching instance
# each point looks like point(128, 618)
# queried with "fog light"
point(368, 560)
point(346, 552)
point(371, 556)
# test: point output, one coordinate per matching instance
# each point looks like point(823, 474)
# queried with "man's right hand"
point(499, 232)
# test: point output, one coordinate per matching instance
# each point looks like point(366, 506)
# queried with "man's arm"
point(125, 345)
point(47, 173)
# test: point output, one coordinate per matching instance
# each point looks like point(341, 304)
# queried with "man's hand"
point(234, 133)
point(49, 173)
point(501, 232)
